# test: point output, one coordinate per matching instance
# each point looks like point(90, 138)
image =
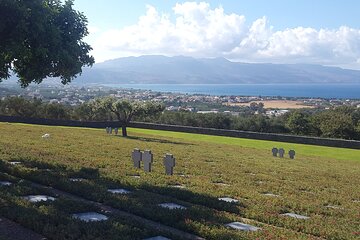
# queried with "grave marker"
point(242, 227)
point(90, 217)
point(292, 154)
point(171, 206)
point(38, 198)
point(275, 151)
point(5, 183)
point(147, 158)
point(281, 152)
point(116, 130)
point(169, 163)
point(297, 216)
point(118, 191)
point(136, 157)
point(229, 200)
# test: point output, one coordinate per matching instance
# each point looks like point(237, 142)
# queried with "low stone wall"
point(209, 131)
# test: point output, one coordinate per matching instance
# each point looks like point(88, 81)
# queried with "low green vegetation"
point(338, 122)
point(320, 183)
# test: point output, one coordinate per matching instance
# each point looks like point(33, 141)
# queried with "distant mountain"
point(187, 70)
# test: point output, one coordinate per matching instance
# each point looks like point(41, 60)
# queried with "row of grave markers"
point(147, 158)
point(281, 153)
point(109, 130)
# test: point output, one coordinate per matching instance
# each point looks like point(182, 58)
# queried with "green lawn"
point(321, 182)
point(301, 149)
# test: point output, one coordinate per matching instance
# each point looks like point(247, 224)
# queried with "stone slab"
point(229, 200)
point(297, 216)
point(119, 191)
point(38, 198)
point(177, 186)
point(90, 217)
point(271, 195)
point(14, 163)
point(76, 179)
point(158, 238)
point(172, 206)
point(334, 207)
point(5, 183)
point(242, 226)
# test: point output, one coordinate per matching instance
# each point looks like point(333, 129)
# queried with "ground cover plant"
point(53, 219)
point(321, 183)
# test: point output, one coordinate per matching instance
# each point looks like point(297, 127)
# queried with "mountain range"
point(187, 70)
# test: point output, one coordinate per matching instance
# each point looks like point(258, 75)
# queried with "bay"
point(340, 91)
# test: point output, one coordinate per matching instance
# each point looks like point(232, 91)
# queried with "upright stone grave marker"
point(147, 158)
point(110, 130)
point(116, 130)
point(136, 157)
point(169, 163)
point(281, 152)
point(275, 151)
point(292, 154)
point(107, 130)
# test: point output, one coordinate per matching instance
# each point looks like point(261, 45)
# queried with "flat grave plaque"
point(119, 191)
point(38, 198)
point(297, 216)
point(271, 195)
point(158, 238)
point(76, 179)
point(229, 200)
point(242, 226)
point(14, 163)
point(5, 183)
point(90, 217)
point(171, 206)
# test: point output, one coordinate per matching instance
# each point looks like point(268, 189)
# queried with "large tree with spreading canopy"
point(40, 39)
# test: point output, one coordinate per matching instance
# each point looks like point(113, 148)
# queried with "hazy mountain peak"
point(184, 70)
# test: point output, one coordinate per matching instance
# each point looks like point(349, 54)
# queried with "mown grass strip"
point(301, 149)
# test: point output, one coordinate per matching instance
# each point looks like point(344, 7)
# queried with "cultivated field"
point(321, 183)
point(280, 104)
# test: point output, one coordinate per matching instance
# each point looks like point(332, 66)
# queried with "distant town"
point(74, 95)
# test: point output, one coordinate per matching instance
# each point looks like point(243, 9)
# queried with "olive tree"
point(40, 39)
point(125, 110)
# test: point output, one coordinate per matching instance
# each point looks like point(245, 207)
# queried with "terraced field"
point(321, 183)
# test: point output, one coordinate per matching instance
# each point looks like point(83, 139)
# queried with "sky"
point(323, 32)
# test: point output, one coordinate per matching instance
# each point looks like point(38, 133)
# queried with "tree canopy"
point(125, 110)
point(40, 39)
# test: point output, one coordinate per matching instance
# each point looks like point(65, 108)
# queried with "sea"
point(329, 91)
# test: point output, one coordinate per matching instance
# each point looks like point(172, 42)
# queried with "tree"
point(42, 38)
point(298, 122)
point(335, 124)
point(125, 110)
point(18, 106)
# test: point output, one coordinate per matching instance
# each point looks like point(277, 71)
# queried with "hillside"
point(187, 70)
point(320, 183)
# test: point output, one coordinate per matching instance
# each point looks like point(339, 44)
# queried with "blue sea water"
point(343, 91)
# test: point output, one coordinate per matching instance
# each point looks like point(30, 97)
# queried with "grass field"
point(322, 182)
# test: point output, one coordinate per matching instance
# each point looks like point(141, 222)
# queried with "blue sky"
point(304, 31)
point(281, 13)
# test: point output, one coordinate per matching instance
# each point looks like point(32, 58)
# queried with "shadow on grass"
point(156, 140)
point(142, 201)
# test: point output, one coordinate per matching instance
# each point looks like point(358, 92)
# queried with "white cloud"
point(196, 29)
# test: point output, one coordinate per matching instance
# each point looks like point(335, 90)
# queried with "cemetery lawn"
point(321, 183)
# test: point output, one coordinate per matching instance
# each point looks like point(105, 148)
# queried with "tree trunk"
point(124, 131)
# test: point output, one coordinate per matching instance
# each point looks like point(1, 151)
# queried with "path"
point(10, 230)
